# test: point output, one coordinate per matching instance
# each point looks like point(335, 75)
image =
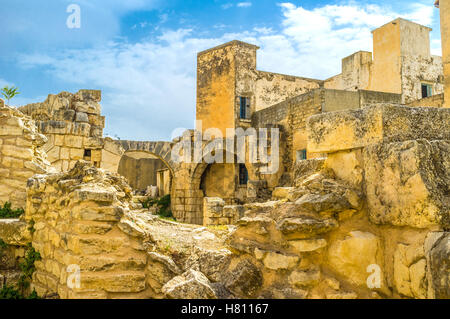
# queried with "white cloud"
point(149, 87)
point(244, 4)
point(226, 6)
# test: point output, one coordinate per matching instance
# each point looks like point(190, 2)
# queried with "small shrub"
point(163, 205)
point(3, 246)
point(7, 212)
point(28, 268)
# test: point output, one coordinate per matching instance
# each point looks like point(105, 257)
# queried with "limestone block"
point(212, 208)
point(190, 285)
point(17, 152)
point(76, 154)
point(337, 131)
point(277, 261)
point(244, 280)
point(351, 256)
point(439, 258)
point(81, 117)
point(86, 95)
point(161, 269)
point(407, 183)
point(94, 194)
point(80, 129)
point(307, 245)
point(235, 212)
point(12, 162)
point(14, 232)
point(212, 263)
point(304, 278)
point(283, 193)
point(113, 282)
point(347, 166)
point(73, 141)
point(9, 130)
point(306, 227)
point(96, 131)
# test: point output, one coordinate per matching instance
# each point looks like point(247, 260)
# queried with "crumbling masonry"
point(358, 209)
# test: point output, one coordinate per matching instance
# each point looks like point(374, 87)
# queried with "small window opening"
point(87, 154)
point(243, 174)
point(302, 155)
point(427, 90)
point(244, 103)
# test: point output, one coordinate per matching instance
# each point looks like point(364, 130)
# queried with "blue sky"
point(142, 53)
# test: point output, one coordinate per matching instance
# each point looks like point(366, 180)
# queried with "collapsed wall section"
point(77, 229)
point(21, 155)
point(74, 126)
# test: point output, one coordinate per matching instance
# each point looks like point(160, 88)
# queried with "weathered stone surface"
point(407, 183)
point(410, 271)
point(306, 227)
point(304, 278)
point(244, 280)
point(440, 267)
point(277, 261)
point(351, 256)
point(14, 232)
point(190, 285)
point(307, 245)
point(337, 131)
point(212, 263)
point(283, 193)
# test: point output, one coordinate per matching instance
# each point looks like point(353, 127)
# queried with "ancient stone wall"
point(140, 172)
point(444, 7)
point(432, 101)
point(401, 63)
point(74, 126)
point(327, 237)
point(79, 227)
point(21, 155)
point(418, 70)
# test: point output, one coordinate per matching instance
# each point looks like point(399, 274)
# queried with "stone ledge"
point(338, 131)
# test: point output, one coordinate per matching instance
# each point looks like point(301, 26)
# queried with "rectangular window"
point(243, 174)
point(244, 104)
point(302, 155)
point(427, 90)
point(87, 155)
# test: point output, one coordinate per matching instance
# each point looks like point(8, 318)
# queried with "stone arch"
point(161, 150)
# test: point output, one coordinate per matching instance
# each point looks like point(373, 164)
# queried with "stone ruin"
point(377, 204)
point(365, 215)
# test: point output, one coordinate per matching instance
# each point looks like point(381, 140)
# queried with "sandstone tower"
point(444, 6)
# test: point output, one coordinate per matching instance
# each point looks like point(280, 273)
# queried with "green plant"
point(163, 205)
point(3, 246)
point(31, 228)
point(28, 268)
point(149, 202)
point(9, 92)
point(7, 212)
point(9, 292)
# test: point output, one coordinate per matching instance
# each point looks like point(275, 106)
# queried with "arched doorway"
point(145, 170)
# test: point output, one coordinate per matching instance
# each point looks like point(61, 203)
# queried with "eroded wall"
point(73, 125)
point(21, 155)
point(140, 172)
point(444, 6)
